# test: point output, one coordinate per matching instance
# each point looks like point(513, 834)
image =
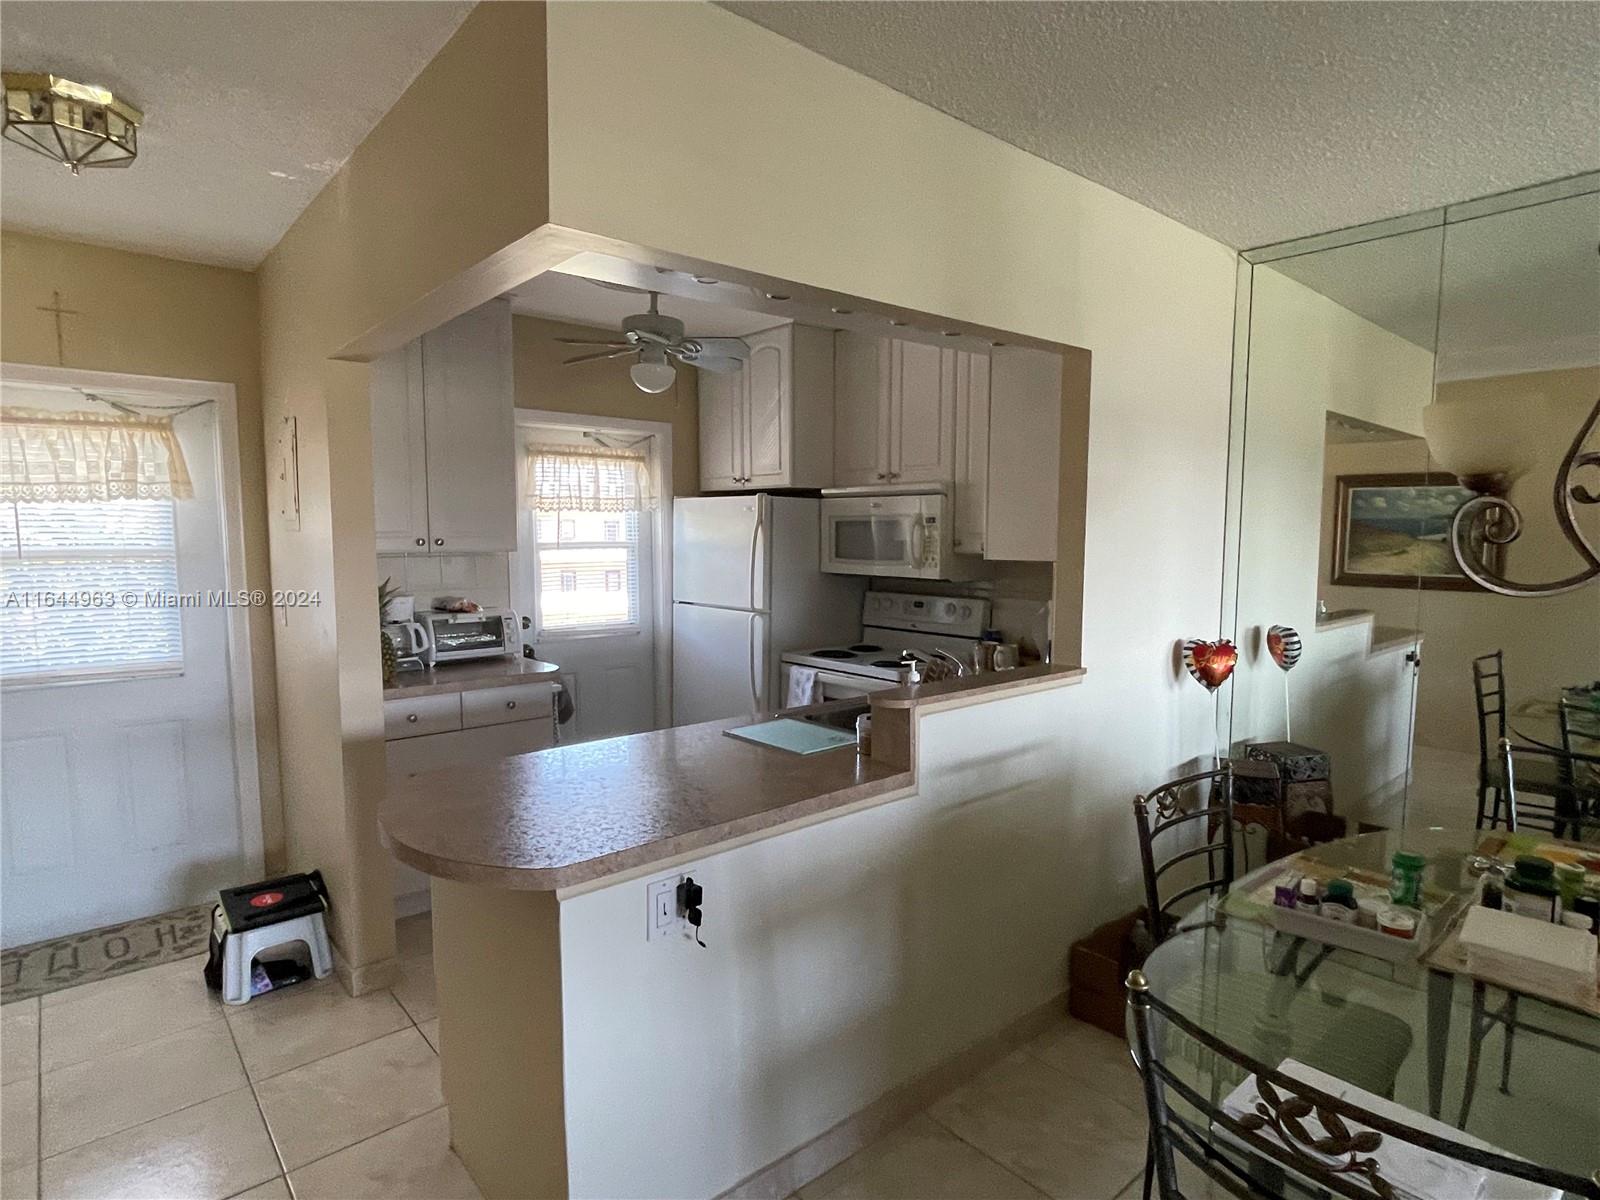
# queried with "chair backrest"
point(1573, 807)
point(1489, 690)
point(1290, 1134)
point(1201, 805)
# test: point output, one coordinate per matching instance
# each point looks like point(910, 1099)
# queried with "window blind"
point(587, 504)
point(81, 585)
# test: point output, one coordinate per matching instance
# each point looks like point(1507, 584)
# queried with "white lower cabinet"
point(426, 733)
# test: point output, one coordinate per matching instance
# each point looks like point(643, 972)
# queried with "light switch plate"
point(662, 921)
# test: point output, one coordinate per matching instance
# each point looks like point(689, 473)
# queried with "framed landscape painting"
point(1394, 531)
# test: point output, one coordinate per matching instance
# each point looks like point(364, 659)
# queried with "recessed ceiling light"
point(901, 324)
point(776, 296)
point(952, 333)
point(997, 343)
point(843, 312)
point(705, 279)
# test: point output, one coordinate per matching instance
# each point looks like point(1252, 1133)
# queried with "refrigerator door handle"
point(755, 697)
point(755, 539)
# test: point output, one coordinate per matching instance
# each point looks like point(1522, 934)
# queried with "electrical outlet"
point(661, 910)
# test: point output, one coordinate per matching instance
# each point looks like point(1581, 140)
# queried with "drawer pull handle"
point(511, 703)
point(412, 717)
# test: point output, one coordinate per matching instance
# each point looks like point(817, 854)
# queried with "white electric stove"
point(890, 623)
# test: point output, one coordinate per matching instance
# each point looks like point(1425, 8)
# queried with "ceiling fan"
point(658, 339)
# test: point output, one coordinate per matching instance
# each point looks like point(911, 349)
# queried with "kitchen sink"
point(838, 716)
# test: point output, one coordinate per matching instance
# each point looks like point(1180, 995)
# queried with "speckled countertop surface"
point(569, 815)
point(469, 676)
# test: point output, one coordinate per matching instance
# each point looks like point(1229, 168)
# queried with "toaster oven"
point(489, 633)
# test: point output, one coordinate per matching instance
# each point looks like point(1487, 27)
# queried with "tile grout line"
point(367, 1138)
point(283, 1170)
point(928, 1112)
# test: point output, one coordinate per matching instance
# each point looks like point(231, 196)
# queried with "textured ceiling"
point(1520, 290)
point(1253, 123)
point(249, 109)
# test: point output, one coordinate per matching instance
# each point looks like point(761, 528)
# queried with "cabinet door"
point(472, 474)
point(399, 456)
point(922, 414)
point(972, 451)
point(768, 408)
point(721, 415)
point(860, 410)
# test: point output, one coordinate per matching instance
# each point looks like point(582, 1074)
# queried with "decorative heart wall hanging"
point(1210, 662)
point(1283, 643)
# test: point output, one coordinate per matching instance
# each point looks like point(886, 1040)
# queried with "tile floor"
point(147, 1086)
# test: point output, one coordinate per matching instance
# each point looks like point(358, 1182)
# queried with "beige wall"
point(1549, 642)
point(413, 230)
point(142, 315)
point(603, 389)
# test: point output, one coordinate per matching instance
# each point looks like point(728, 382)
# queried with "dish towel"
point(803, 688)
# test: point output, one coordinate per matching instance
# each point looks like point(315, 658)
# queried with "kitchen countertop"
point(572, 814)
point(470, 676)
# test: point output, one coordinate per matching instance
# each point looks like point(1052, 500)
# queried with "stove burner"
point(865, 648)
point(889, 662)
point(832, 654)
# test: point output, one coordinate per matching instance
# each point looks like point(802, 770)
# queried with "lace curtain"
point(89, 456)
point(575, 478)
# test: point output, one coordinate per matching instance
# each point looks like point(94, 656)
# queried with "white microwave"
point(908, 535)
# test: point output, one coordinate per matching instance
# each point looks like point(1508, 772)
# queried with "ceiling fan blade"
point(583, 358)
point(723, 347)
point(715, 363)
point(615, 343)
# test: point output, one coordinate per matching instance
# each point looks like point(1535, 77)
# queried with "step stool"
point(271, 913)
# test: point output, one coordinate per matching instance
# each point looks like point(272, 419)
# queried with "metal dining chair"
point(1489, 691)
point(1568, 813)
point(1196, 807)
point(1294, 1138)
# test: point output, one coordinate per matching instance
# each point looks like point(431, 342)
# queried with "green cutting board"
point(797, 737)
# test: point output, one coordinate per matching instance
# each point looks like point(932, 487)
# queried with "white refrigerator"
point(746, 587)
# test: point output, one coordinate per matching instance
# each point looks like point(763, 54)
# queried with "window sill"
point(30, 683)
point(584, 635)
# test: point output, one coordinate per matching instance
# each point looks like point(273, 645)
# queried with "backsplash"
point(485, 578)
point(1019, 594)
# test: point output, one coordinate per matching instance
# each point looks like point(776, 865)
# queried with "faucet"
point(917, 658)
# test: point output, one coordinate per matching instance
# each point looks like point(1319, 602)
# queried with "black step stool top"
point(273, 900)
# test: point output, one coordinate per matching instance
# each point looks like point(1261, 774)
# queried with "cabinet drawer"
point(413, 717)
point(501, 705)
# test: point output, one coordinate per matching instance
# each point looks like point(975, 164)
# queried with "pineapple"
point(391, 659)
point(391, 653)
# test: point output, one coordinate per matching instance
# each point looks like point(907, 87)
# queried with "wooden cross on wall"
point(55, 307)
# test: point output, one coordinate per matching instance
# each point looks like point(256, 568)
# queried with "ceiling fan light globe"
point(653, 375)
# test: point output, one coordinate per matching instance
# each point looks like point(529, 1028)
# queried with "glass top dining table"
point(1402, 1030)
point(1538, 720)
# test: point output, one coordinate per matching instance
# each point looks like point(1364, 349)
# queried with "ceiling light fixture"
point(1486, 446)
point(652, 373)
point(76, 124)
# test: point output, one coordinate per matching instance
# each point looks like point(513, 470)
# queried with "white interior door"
point(121, 794)
point(588, 583)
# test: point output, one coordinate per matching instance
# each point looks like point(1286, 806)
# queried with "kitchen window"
point(588, 503)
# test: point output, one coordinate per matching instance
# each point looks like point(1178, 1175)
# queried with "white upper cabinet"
point(971, 483)
point(922, 400)
point(770, 424)
point(446, 482)
point(894, 412)
point(985, 427)
point(399, 458)
point(860, 410)
point(1024, 492)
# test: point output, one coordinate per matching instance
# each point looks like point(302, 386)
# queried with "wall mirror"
point(1406, 396)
